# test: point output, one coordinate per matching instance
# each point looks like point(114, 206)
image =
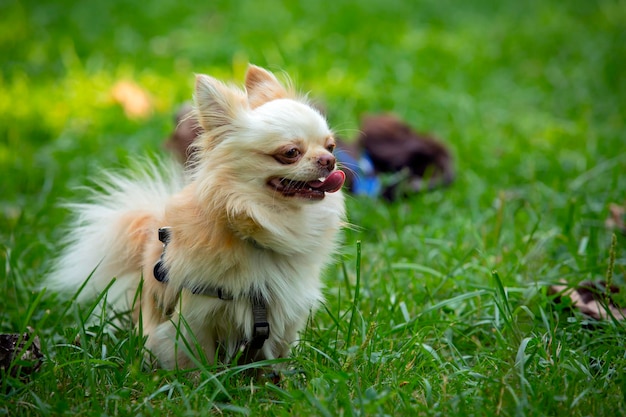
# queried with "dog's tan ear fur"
point(262, 86)
point(217, 105)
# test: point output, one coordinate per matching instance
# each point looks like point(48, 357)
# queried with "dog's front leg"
point(175, 342)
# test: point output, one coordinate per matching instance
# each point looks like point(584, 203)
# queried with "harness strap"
point(261, 329)
point(209, 291)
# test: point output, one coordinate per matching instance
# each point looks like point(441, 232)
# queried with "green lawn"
point(438, 304)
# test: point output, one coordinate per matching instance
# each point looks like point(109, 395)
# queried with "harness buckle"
point(165, 234)
point(159, 271)
point(260, 334)
point(224, 295)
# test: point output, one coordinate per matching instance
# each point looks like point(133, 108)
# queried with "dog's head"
point(263, 142)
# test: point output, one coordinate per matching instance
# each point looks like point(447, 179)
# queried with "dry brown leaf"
point(592, 299)
point(134, 100)
point(615, 221)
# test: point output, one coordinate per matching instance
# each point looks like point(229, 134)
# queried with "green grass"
point(443, 310)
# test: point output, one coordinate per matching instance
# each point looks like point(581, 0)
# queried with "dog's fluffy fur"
point(259, 211)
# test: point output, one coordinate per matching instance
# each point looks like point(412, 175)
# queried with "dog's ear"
point(262, 86)
point(217, 105)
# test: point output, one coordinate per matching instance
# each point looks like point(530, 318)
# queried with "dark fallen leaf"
point(28, 349)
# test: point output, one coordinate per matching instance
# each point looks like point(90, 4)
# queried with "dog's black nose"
point(327, 161)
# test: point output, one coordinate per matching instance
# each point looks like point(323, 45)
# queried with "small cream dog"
point(225, 260)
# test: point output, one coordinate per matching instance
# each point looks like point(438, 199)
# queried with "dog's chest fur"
point(270, 255)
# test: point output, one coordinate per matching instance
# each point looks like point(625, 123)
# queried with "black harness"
point(261, 329)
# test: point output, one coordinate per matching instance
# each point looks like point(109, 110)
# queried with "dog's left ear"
point(217, 105)
point(262, 86)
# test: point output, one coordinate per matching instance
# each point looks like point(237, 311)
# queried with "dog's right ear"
point(217, 105)
point(262, 86)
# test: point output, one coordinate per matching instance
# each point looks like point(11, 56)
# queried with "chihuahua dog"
point(224, 260)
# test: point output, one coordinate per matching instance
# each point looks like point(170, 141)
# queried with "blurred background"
point(529, 96)
point(485, 75)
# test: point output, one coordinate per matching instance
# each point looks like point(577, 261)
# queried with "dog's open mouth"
point(312, 190)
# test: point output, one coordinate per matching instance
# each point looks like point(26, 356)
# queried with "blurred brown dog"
point(422, 162)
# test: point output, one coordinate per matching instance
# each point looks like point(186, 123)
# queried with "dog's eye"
point(288, 156)
point(292, 153)
point(330, 147)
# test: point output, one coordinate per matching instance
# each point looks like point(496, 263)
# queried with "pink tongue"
point(331, 184)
